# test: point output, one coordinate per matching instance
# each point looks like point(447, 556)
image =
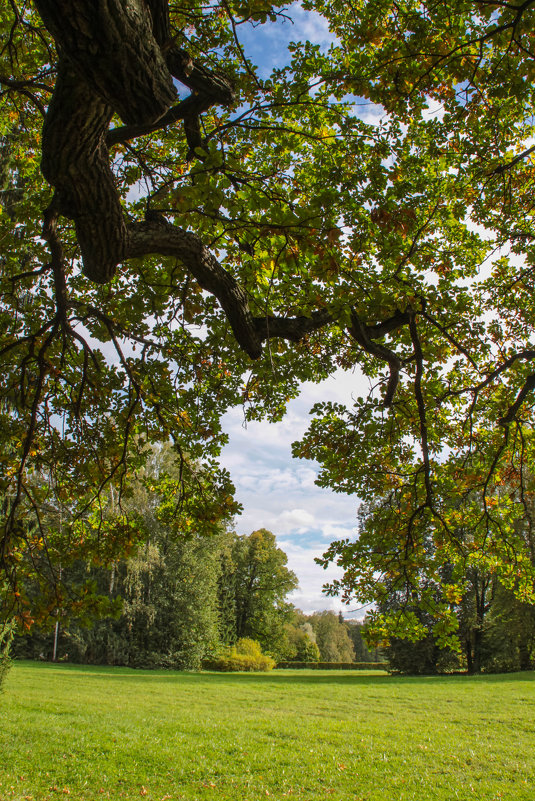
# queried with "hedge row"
point(334, 665)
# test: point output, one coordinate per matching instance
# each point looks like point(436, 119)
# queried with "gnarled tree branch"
point(169, 240)
point(364, 335)
point(111, 62)
point(118, 58)
point(112, 48)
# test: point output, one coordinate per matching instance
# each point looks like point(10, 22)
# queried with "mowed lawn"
point(95, 733)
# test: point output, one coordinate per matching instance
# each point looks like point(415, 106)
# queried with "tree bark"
point(113, 49)
point(76, 162)
point(110, 62)
point(169, 240)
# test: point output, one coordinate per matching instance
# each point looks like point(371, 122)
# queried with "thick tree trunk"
point(112, 60)
point(76, 162)
point(477, 646)
point(524, 657)
point(113, 49)
point(468, 653)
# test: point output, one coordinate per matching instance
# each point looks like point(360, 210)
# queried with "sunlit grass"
point(95, 733)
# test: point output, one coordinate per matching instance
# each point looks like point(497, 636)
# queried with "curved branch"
point(192, 105)
point(362, 334)
point(168, 240)
point(208, 89)
point(75, 137)
point(529, 386)
point(111, 61)
point(292, 328)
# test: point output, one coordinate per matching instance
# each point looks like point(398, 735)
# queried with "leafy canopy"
point(169, 254)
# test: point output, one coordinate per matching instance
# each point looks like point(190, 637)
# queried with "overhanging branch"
point(364, 335)
point(169, 240)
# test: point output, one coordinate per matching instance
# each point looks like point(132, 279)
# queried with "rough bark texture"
point(112, 46)
point(76, 162)
point(169, 240)
point(111, 61)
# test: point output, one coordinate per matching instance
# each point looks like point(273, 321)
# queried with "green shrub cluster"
point(5, 664)
point(246, 655)
point(334, 665)
point(6, 635)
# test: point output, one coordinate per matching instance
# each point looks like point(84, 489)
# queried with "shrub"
point(6, 635)
point(246, 655)
point(420, 658)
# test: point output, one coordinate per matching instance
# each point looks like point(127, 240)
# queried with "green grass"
point(97, 733)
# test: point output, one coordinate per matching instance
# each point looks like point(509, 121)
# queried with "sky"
point(276, 491)
point(266, 45)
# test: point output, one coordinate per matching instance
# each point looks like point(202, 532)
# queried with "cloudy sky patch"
point(278, 492)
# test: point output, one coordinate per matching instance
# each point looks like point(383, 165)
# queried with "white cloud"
point(312, 577)
point(371, 113)
point(334, 531)
point(279, 493)
point(267, 45)
point(298, 520)
point(310, 25)
point(435, 110)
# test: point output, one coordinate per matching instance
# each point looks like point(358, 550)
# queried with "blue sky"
point(276, 491)
point(267, 45)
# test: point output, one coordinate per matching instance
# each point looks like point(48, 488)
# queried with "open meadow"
point(95, 732)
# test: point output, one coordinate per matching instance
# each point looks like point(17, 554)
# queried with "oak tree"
point(181, 235)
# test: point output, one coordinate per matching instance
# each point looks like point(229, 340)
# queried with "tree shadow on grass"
point(278, 677)
point(353, 678)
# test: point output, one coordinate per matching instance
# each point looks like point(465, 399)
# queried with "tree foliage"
point(259, 582)
point(332, 637)
point(496, 633)
point(452, 262)
point(300, 640)
point(168, 253)
point(177, 598)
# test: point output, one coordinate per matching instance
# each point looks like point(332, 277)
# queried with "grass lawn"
point(97, 733)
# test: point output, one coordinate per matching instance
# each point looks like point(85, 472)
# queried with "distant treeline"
point(180, 601)
point(187, 590)
point(184, 596)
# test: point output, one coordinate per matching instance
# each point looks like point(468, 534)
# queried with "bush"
point(246, 655)
point(6, 635)
point(420, 658)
